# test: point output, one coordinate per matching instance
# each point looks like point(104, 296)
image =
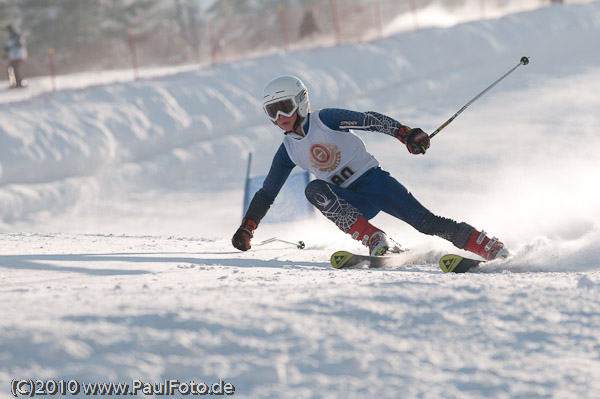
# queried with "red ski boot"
point(371, 236)
point(487, 248)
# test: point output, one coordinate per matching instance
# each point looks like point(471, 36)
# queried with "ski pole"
point(299, 244)
point(524, 61)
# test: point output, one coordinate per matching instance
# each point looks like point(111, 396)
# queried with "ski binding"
point(348, 260)
point(458, 264)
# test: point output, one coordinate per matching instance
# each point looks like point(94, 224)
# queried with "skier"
point(350, 186)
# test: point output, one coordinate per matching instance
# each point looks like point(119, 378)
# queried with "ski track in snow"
point(118, 201)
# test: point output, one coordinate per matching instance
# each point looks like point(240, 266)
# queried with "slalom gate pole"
point(299, 244)
point(524, 61)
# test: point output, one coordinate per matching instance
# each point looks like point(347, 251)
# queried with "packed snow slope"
point(118, 201)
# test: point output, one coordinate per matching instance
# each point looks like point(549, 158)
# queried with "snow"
point(118, 201)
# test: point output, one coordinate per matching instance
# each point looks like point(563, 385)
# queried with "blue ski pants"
point(375, 191)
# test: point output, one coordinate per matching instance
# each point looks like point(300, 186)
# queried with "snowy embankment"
point(118, 201)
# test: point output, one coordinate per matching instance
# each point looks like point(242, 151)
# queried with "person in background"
point(16, 49)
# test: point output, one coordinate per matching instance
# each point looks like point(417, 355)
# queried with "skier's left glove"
point(416, 140)
point(243, 235)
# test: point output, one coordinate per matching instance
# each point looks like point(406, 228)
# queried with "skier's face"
point(287, 122)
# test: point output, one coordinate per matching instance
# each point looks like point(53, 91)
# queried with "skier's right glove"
point(243, 235)
point(416, 140)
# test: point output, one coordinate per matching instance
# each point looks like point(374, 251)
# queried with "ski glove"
point(416, 140)
point(243, 235)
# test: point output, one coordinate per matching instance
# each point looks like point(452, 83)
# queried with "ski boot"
point(378, 244)
point(370, 236)
point(488, 248)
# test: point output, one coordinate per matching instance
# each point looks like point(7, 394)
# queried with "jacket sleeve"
point(263, 199)
point(344, 120)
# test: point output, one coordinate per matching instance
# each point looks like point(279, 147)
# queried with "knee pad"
point(318, 192)
point(333, 207)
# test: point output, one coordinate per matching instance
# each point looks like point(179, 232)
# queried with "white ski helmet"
point(283, 96)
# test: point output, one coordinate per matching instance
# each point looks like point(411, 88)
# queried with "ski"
point(348, 260)
point(448, 263)
point(458, 264)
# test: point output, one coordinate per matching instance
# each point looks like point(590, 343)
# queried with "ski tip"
point(449, 262)
point(340, 258)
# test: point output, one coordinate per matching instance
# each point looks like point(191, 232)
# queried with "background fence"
point(216, 40)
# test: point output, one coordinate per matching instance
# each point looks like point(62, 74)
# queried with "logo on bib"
point(325, 156)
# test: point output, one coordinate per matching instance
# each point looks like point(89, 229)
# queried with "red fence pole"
point(413, 6)
point(133, 55)
point(52, 68)
point(213, 43)
point(378, 24)
point(283, 23)
point(336, 22)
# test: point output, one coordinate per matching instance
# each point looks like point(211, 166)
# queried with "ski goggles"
point(285, 107)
